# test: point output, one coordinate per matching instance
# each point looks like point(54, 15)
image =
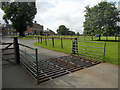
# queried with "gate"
point(29, 61)
point(7, 53)
point(89, 49)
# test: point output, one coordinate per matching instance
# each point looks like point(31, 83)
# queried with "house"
point(7, 29)
point(48, 32)
point(36, 29)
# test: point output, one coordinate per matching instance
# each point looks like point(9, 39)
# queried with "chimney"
point(35, 22)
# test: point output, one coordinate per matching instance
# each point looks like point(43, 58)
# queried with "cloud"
point(53, 13)
point(63, 12)
point(1, 16)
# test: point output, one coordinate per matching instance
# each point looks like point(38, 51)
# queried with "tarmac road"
point(103, 75)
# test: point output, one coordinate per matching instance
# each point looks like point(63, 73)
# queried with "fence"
point(89, 38)
point(30, 62)
point(89, 49)
point(7, 53)
point(54, 40)
point(27, 56)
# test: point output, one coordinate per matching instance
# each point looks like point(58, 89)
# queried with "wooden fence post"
point(16, 51)
point(45, 41)
point(41, 40)
point(53, 42)
point(61, 43)
point(92, 37)
point(38, 39)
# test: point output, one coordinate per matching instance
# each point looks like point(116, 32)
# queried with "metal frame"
point(88, 51)
point(31, 66)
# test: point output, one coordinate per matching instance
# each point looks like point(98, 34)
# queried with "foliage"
point(41, 32)
point(21, 14)
point(64, 31)
point(101, 19)
point(78, 34)
point(71, 33)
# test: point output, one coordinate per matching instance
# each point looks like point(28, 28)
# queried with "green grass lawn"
point(111, 54)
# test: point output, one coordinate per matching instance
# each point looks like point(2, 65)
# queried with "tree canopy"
point(78, 34)
point(62, 30)
point(21, 14)
point(101, 19)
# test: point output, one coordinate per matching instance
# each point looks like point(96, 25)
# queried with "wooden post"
point(92, 37)
point(61, 43)
point(38, 39)
point(45, 42)
point(16, 51)
point(115, 37)
point(41, 40)
point(53, 42)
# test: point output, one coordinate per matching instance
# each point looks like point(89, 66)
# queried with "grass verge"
point(111, 54)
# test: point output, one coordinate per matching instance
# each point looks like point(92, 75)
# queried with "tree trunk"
point(115, 37)
point(92, 37)
point(99, 37)
point(21, 34)
point(106, 37)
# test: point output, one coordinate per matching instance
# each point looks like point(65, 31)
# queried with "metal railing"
point(90, 49)
point(30, 62)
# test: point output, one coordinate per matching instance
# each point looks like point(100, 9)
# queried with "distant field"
point(65, 36)
point(111, 47)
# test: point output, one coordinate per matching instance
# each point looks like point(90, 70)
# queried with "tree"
point(101, 19)
point(21, 14)
point(71, 33)
point(62, 30)
point(78, 34)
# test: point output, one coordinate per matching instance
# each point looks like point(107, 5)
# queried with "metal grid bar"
point(28, 54)
point(28, 63)
point(27, 46)
point(29, 68)
point(28, 60)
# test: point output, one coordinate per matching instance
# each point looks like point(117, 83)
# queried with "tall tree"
point(21, 14)
point(101, 19)
point(62, 30)
point(78, 34)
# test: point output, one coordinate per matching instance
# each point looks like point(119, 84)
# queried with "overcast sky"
point(53, 13)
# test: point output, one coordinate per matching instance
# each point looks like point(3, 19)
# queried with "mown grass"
point(111, 53)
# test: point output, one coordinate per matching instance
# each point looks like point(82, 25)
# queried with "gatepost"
point(16, 51)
